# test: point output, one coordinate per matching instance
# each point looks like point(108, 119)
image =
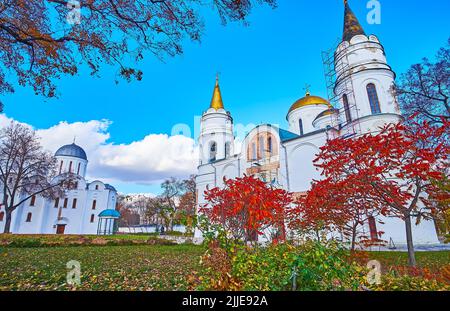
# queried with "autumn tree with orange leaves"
point(248, 207)
point(42, 40)
point(337, 210)
point(392, 172)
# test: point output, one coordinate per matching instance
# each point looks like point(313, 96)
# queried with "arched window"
point(70, 167)
point(254, 151)
point(33, 200)
point(74, 203)
point(269, 144)
point(56, 203)
point(96, 187)
point(65, 202)
point(2, 215)
point(373, 98)
point(300, 126)
point(92, 218)
point(94, 204)
point(212, 151)
point(261, 146)
point(29, 215)
point(60, 167)
point(348, 115)
point(78, 170)
point(227, 149)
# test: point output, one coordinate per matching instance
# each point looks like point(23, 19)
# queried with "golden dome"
point(309, 100)
point(216, 101)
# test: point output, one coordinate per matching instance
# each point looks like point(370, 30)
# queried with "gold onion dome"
point(216, 101)
point(309, 100)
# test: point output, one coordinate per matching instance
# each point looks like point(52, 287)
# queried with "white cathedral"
point(284, 157)
point(89, 208)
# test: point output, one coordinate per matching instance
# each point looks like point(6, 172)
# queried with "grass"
point(137, 267)
point(431, 260)
point(52, 240)
point(129, 262)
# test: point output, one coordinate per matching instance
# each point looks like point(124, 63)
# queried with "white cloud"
point(146, 161)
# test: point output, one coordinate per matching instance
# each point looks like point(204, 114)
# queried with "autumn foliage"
point(248, 206)
point(41, 40)
point(390, 173)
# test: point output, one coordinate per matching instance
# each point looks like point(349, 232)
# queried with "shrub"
point(327, 267)
point(392, 282)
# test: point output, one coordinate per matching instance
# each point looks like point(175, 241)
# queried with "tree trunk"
point(409, 242)
point(353, 239)
point(7, 222)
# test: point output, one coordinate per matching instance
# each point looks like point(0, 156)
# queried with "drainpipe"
point(287, 167)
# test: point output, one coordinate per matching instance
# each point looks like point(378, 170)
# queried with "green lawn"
point(432, 260)
point(26, 265)
point(137, 267)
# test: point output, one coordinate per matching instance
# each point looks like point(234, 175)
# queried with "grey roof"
point(71, 150)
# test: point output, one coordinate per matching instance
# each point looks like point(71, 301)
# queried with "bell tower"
point(364, 80)
point(216, 141)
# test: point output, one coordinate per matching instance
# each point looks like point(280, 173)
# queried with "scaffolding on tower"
point(334, 63)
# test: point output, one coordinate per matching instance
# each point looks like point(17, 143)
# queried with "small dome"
point(327, 112)
point(309, 100)
point(109, 213)
point(71, 150)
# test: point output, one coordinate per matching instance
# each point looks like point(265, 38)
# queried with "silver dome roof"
point(71, 150)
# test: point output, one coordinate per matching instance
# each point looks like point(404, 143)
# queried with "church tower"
point(364, 79)
point(216, 139)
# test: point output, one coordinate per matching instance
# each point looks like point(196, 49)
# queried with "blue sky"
point(263, 67)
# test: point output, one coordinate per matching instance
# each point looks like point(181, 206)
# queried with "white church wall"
point(301, 153)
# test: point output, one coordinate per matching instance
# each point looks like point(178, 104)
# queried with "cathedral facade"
point(89, 208)
point(364, 102)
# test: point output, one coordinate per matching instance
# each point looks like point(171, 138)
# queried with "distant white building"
point(284, 157)
point(87, 209)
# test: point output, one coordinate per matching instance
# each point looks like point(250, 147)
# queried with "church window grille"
point(373, 98)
